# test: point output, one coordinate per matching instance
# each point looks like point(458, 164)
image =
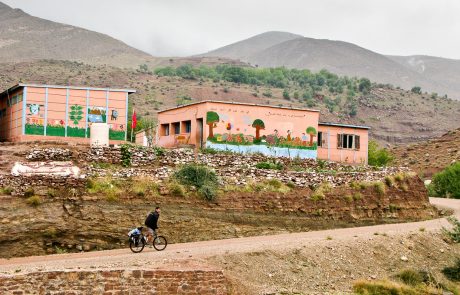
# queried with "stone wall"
point(111, 282)
point(40, 184)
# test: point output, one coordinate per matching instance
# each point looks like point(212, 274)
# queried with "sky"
point(188, 27)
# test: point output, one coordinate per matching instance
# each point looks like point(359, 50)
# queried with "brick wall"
point(111, 282)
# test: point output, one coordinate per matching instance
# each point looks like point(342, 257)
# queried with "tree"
point(259, 125)
point(377, 156)
point(312, 132)
point(364, 85)
point(446, 183)
point(286, 94)
point(211, 119)
point(416, 89)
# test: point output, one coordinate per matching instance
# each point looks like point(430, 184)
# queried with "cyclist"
point(152, 223)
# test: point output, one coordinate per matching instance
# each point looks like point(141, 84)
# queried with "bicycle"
point(137, 240)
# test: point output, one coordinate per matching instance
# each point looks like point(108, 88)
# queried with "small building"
point(270, 130)
point(30, 112)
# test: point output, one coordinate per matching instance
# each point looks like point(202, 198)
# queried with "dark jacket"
point(152, 220)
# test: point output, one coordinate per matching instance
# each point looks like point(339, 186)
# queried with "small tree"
point(312, 132)
point(286, 94)
point(378, 156)
point(211, 119)
point(447, 182)
point(416, 89)
point(259, 125)
point(364, 85)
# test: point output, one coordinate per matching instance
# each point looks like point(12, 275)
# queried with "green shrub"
point(275, 183)
point(453, 272)
point(389, 181)
point(52, 193)
point(34, 201)
point(126, 154)
point(454, 233)
point(210, 151)
point(411, 277)
point(201, 177)
point(6, 190)
point(208, 191)
point(357, 196)
point(378, 156)
point(399, 177)
point(291, 184)
point(447, 182)
point(270, 165)
point(321, 191)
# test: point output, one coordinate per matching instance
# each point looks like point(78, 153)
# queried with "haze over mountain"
point(275, 49)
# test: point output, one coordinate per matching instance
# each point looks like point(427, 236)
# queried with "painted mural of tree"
point(312, 132)
point(211, 119)
point(259, 125)
point(76, 113)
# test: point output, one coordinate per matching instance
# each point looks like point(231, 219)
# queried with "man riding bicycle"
point(152, 223)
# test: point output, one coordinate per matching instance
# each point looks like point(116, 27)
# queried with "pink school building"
point(250, 128)
point(31, 112)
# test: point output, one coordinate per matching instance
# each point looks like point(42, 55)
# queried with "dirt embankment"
point(66, 223)
point(430, 157)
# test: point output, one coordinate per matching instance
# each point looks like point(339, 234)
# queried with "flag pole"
point(132, 126)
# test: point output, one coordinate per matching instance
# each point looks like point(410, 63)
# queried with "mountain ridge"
point(345, 58)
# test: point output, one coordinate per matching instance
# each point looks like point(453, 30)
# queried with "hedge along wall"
point(70, 112)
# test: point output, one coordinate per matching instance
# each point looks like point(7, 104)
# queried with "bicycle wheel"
point(137, 244)
point(160, 243)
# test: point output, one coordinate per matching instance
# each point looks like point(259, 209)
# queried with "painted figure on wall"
point(259, 125)
point(211, 119)
point(114, 115)
point(312, 132)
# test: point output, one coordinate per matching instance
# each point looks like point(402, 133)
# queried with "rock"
point(404, 258)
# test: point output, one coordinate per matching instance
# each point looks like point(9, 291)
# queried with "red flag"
point(134, 120)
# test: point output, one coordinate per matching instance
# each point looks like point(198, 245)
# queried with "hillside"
point(395, 115)
point(343, 58)
point(427, 158)
point(26, 38)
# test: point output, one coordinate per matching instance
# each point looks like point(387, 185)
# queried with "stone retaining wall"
point(39, 183)
point(110, 282)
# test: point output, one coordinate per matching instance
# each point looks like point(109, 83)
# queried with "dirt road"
point(189, 255)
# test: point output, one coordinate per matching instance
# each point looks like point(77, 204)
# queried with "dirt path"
point(190, 255)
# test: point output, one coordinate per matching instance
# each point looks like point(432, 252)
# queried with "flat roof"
point(66, 87)
point(237, 103)
point(343, 125)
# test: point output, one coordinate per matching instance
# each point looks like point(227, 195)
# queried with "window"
point(176, 127)
point(320, 139)
point(164, 130)
point(348, 141)
point(187, 126)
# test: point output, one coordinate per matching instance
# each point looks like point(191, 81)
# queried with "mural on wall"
point(35, 119)
point(97, 115)
point(250, 139)
point(75, 116)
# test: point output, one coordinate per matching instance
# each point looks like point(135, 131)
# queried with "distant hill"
point(274, 49)
point(26, 38)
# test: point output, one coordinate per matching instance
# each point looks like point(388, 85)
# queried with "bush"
point(106, 186)
point(389, 181)
point(143, 186)
point(377, 156)
point(269, 165)
point(416, 89)
point(199, 176)
point(382, 288)
point(453, 272)
point(454, 233)
point(52, 193)
point(34, 201)
point(446, 183)
point(29, 192)
point(321, 191)
point(379, 188)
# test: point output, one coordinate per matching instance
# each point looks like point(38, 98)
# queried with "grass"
point(143, 186)
point(357, 196)
point(29, 192)
point(52, 193)
point(105, 186)
point(321, 191)
point(6, 190)
point(389, 181)
point(411, 277)
point(34, 201)
point(177, 189)
point(379, 188)
point(454, 233)
point(453, 272)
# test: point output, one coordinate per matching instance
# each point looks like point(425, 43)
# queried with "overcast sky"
point(187, 27)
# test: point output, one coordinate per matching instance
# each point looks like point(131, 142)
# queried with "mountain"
point(26, 38)
point(275, 49)
point(246, 49)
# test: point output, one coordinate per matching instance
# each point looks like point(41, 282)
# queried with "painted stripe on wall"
point(66, 111)
point(24, 107)
point(46, 111)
